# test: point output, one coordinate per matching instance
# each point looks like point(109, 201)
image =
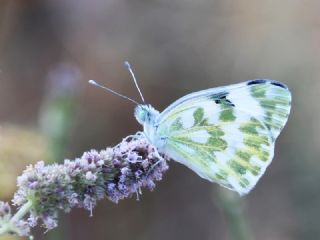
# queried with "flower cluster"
point(138, 164)
point(115, 173)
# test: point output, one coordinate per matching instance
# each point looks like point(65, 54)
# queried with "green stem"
point(9, 227)
point(4, 229)
point(232, 206)
point(21, 212)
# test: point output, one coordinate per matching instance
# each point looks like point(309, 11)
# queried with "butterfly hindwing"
point(226, 135)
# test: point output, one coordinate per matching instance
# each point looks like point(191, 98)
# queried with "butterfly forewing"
point(226, 135)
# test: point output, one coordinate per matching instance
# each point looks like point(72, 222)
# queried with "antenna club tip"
point(93, 82)
point(127, 64)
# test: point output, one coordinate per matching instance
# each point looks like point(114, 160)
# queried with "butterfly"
point(225, 134)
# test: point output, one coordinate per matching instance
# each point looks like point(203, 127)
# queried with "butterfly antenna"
point(94, 83)
point(127, 64)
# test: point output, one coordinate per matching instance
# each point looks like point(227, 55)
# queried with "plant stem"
point(56, 120)
point(232, 206)
point(21, 212)
point(10, 226)
point(4, 229)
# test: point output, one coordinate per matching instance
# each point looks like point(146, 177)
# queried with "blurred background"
point(50, 48)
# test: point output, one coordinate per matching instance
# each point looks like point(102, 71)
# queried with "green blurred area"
point(175, 47)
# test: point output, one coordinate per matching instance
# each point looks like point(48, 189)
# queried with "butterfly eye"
point(142, 114)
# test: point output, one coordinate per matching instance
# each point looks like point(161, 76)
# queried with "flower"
point(5, 210)
point(7, 223)
point(114, 173)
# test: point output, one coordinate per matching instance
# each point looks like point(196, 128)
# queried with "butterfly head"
point(145, 114)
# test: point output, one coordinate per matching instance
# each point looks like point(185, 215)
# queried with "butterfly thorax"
point(147, 116)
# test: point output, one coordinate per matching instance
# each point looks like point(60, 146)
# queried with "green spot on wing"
point(199, 119)
point(198, 116)
point(222, 175)
point(258, 91)
point(227, 115)
point(243, 155)
point(215, 132)
point(249, 128)
point(261, 155)
point(244, 182)
point(176, 125)
point(255, 170)
point(217, 144)
point(238, 168)
point(270, 104)
point(252, 143)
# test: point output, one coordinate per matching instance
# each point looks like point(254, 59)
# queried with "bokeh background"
point(50, 48)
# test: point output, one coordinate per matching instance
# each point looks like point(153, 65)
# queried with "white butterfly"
point(226, 134)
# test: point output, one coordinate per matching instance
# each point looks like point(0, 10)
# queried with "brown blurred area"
point(175, 47)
